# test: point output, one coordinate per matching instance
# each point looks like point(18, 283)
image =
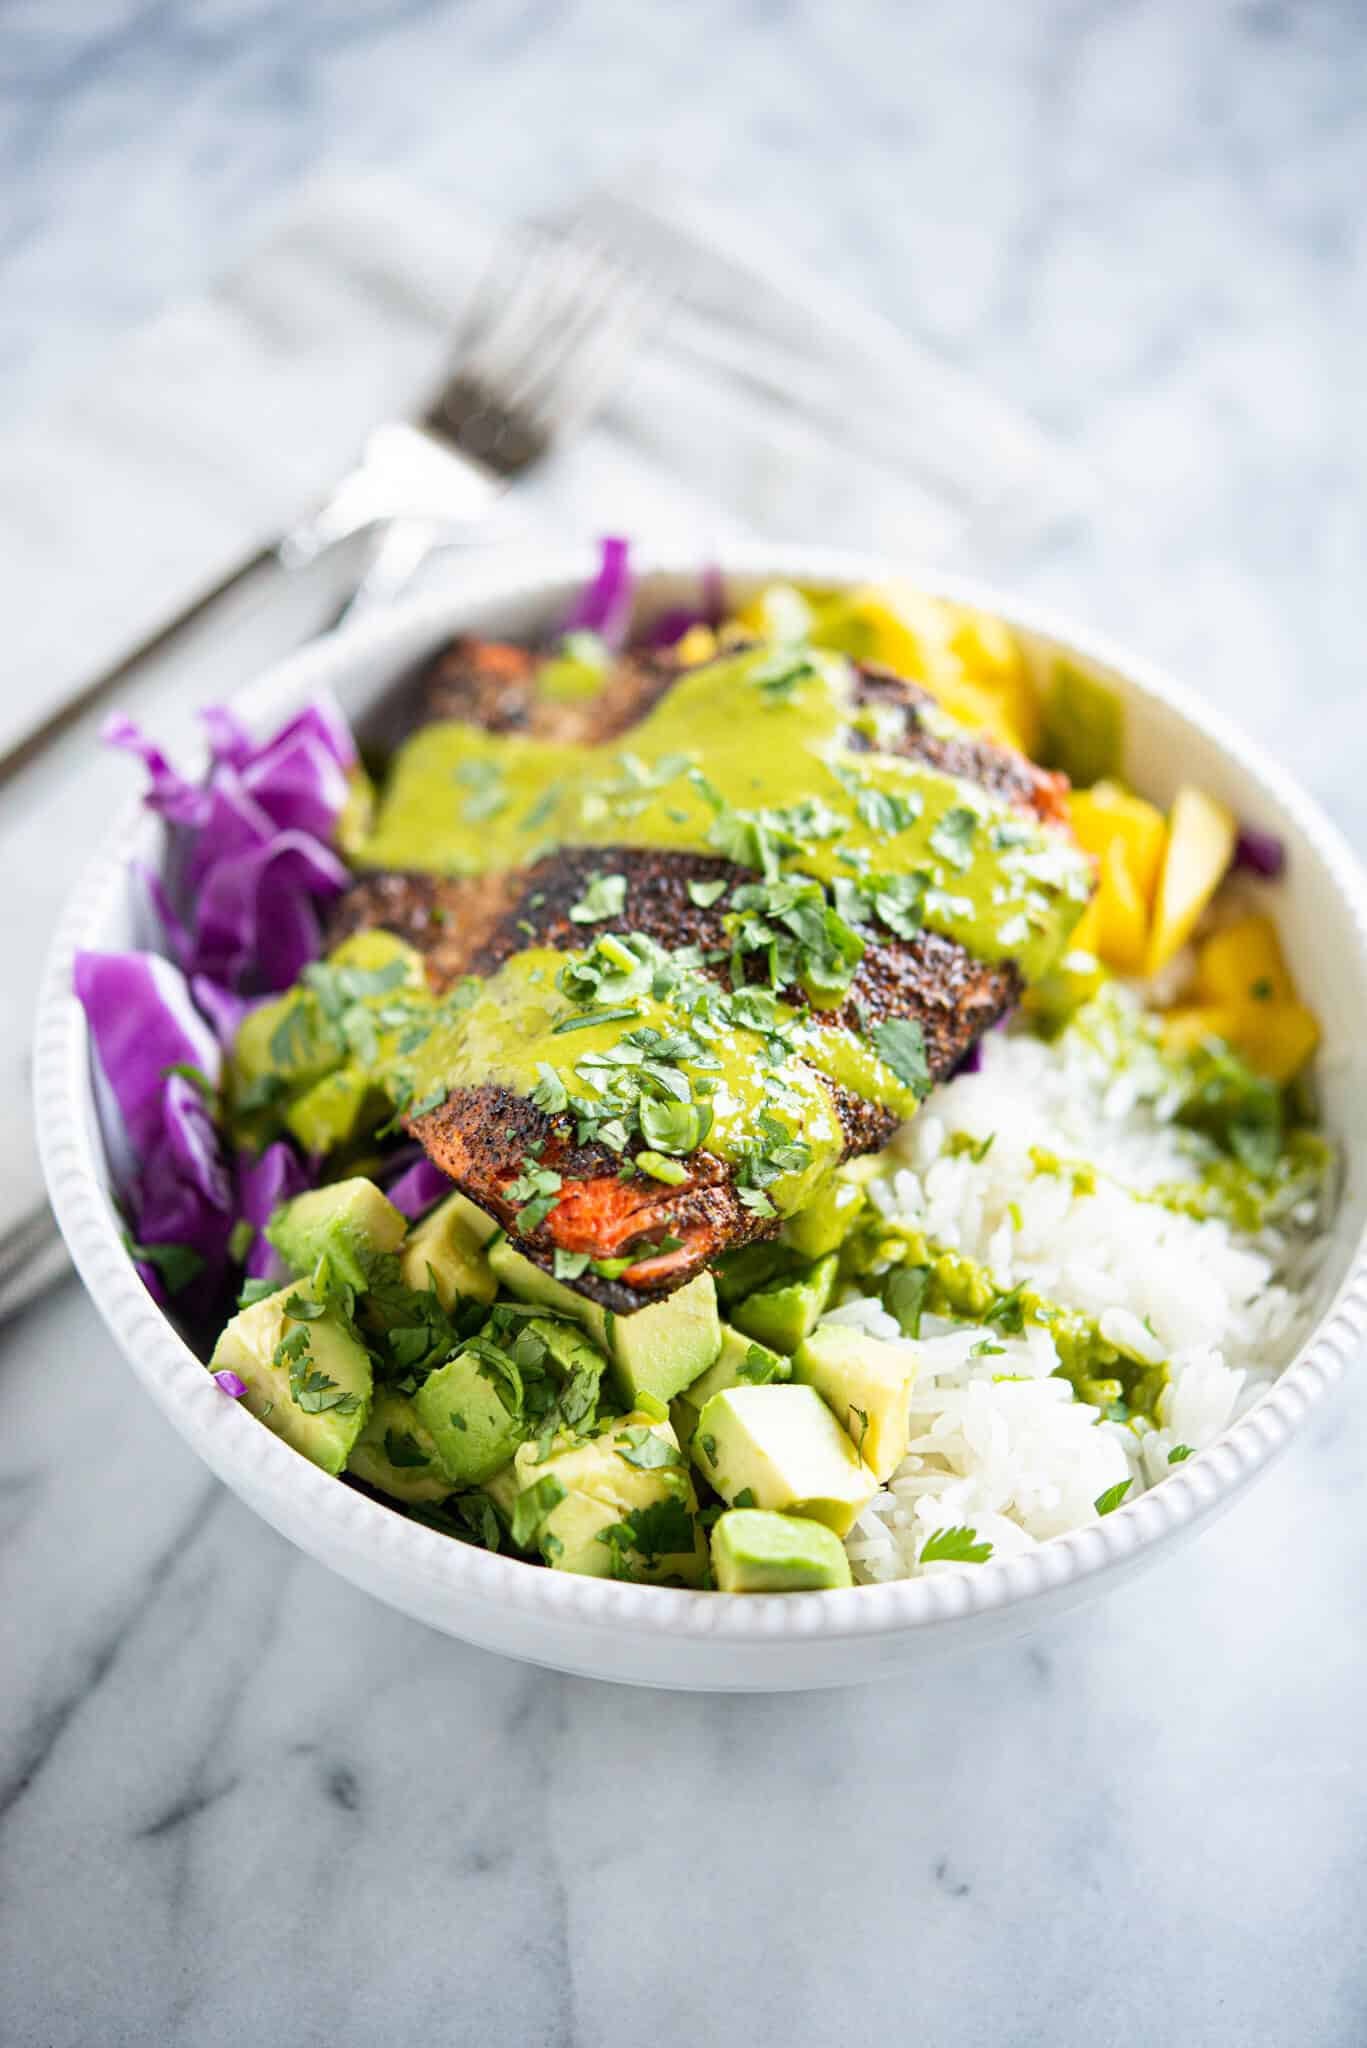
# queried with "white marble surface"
point(242, 1802)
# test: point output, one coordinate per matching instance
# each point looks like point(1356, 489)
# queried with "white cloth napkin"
point(764, 403)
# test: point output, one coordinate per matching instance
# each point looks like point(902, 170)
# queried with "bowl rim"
point(260, 1466)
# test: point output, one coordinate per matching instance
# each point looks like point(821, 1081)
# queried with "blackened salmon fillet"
point(483, 1136)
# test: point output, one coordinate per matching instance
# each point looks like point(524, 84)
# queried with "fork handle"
point(404, 545)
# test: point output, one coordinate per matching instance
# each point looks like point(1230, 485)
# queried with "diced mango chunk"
point(1243, 963)
point(1276, 1038)
point(1108, 812)
point(699, 643)
point(1122, 913)
point(1201, 836)
point(1245, 994)
point(993, 665)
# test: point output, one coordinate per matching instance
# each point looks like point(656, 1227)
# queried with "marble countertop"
point(239, 1800)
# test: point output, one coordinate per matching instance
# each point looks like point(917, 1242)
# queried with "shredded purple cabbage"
point(152, 1044)
point(604, 606)
point(264, 1181)
point(249, 860)
point(1260, 853)
point(248, 864)
point(710, 610)
point(418, 1188)
point(231, 1384)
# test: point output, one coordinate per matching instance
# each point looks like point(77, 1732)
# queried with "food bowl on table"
point(1167, 744)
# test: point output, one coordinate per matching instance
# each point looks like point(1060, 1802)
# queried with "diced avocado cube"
point(287, 1046)
point(308, 1380)
point(823, 1223)
point(396, 1454)
point(749, 1266)
point(331, 1112)
point(1084, 725)
point(442, 1252)
point(783, 1313)
point(350, 1223)
point(740, 1362)
point(754, 1551)
point(473, 1417)
point(620, 1504)
point(867, 1384)
point(780, 1447)
point(659, 1350)
point(662, 1349)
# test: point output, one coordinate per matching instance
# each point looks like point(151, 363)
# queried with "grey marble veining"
point(242, 1802)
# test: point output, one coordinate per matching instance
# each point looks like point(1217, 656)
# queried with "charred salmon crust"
point(481, 1137)
point(444, 917)
point(472, 928)
point(999, 770)
point(492, 684)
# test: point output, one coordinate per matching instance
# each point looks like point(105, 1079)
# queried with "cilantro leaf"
point(904, 1296)
point(901, 1044)
point(1113, 1496)
point(177, 1264)
point(1179, 1454)
point(643, 1448)
point(955, 1546)
point(705, 894)
point(952, 838)
point(604, 897)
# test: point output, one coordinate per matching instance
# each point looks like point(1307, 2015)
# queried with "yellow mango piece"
point(1106, 812)
point(1123, 914)
point(699, 643)
point(893, 623)
point(1201, 835)
point(1276, 1038)
point(1086, 936)
point(992, 662)
point(1243, 963)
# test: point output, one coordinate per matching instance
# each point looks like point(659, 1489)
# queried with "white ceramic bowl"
point(651, 1635)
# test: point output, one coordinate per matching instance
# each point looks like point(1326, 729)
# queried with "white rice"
point(999, 1442)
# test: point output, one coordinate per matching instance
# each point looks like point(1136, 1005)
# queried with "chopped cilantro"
point(643, 1448)
point(569, 1265)
point(900, 1043)
point(550, 1092)
point(177, 1264)
point(952, 838)
point(1179, 1454)
point(660, 1530)
point(705, 894)
point(759, 1367)
point(904, 1296)
point(1113, 1496)
point(959, 1545)
point(532, 1506)
point(604, 897)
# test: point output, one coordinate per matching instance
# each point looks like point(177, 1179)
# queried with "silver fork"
point(548, 328)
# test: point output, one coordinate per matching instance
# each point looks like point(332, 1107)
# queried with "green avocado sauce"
point(961, 1289)
point(682, 1038)
point(626, 1038)
point(749, 756)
